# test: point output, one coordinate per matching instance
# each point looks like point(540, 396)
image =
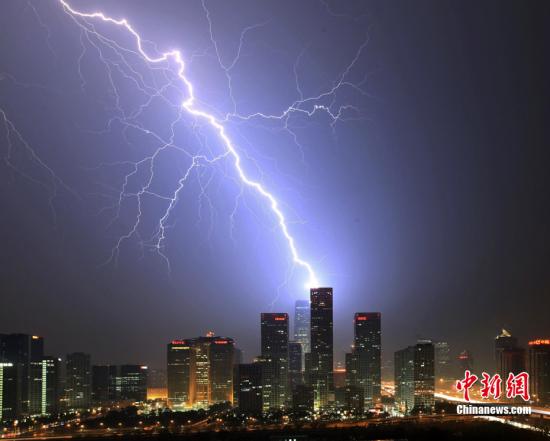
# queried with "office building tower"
point(424, 376)
point(112, 383)
point(199, 369)
point(352, 369)
point(504, 340)
point(321, 338)
point(247, 383)
point(25, 352)
point(509, 357)
point(222, 357)
point(178, 373)
point(351, 399)
point(9, 399)
point(465, 363)
point(78, 387)
point(36, 399)
point(443, 366)
point(308, 371)
point(132, 382)
point(303, 399)
point(104, 384)
point(274, 345)
point(414, 378)
point(539, 370)
point(295, 370)
point(367, 348)
point(301, 324)
point(238, 356)
point(404, 379)
point(50, 386)
point(511, 360)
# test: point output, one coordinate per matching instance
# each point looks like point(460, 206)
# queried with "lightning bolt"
point(190, 105)
point(119, 61)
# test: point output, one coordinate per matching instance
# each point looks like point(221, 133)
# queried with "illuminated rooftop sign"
point(539, 342)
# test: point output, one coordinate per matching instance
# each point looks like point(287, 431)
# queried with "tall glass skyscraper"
point(414, 378)
point(301, 325)
point(200, 371)
point(274, 335)
point(539, 369)
point(367, 349)
point(78, 381)
point(178, 362)
point(322, 347)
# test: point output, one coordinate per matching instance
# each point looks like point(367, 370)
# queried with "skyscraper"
point(274, 342)
point(301, 325)
point(25, 352)
point(322, 347)
point(295, 369)
point(443, 369)
point(352, 369)
point(367, 350)
point(178, 374)
point(509, 357)
point(424, 376)
point(9, 400)
point(414, 378)
point(303, 399)
point(539, 369)
point(465, 362)
point(35, 376)
point(248, 388)
point(200, 371)
point(50, 385)
point(404, 379)
point(78, 387)
point(132, 382)
point(104, 384)
point(221, 369)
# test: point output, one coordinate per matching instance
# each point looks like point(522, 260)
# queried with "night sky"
point(428, 200)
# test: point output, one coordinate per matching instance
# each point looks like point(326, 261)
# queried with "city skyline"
point(208, 370)
point(451, 355)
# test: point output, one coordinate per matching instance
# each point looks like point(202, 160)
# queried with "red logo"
point(516, 385)
point(466, 384)
point(491, 386)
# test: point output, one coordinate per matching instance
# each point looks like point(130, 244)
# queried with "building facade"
point(248, 388)
point(295, 364)
point(415, 378)
point(178, 361)
point(509, 357)
point(301, 324)
point(78, 386)
point(443, 365)
point(322, 347)
point(132, 382)
point(200, 371)
point(274, 347)
point(539, 370)
point(367, 349)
